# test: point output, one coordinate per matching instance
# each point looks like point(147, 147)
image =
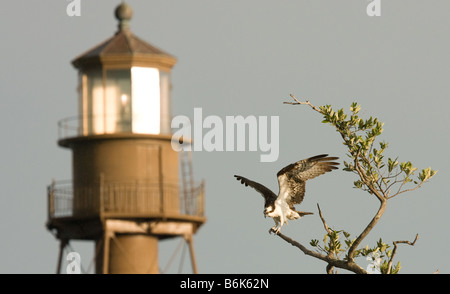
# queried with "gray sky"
point(241, 58)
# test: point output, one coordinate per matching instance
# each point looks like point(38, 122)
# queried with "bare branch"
point(297, 102)
point(323, 220)
point(332, 262)
point(395, 182)
point(370, 226)
point(395, 251)
point(403, 191)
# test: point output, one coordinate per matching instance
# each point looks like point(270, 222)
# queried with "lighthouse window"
point(93, 122)
point(165, 86)
point(118, 101)
point(145, 88)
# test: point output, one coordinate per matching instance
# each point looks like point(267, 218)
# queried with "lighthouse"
point(130, 188)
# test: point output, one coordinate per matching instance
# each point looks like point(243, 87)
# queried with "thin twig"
point(323, 220)
point(407, 190)
point(297, 102)
point(395, 251)
point(330, 267)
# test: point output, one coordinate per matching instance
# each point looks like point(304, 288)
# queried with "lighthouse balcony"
point(104, 124)
point(125, 200)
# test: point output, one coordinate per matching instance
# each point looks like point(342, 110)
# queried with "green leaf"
point(361, 124)
point(355, 108)
point(392, 164)
point(358, 184)
point(396, 268)
point(426, 174)
point(314, 242)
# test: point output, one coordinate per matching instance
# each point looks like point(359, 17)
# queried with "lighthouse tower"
point(127, 191)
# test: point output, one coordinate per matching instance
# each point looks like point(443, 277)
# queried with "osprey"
point(291, 182)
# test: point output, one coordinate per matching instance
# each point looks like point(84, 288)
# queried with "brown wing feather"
point(268, 195)
point(295, 175)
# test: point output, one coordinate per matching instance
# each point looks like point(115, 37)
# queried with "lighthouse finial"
point(123, 14)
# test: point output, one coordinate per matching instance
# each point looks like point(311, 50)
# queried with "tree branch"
point(323, 220)
point(366, 231)
point(365, 180)
point(403, 191)
point(297, 102)
point(344, 264)
point(395, 251)
point(376, 218)
point(329, 267)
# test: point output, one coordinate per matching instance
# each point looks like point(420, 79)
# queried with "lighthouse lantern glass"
point(125, 100)
point(166, 118)
point(146, 100)
point(92, 102)
point(118, 99)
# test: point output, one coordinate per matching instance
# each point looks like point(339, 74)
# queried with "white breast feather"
point(282, 211)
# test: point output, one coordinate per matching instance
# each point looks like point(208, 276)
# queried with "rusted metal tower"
point(125, 194)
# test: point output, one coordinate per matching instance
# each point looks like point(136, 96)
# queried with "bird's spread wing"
point(292, 178)
point(263, 190)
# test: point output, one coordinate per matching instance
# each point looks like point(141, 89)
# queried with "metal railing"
point(123, 199)
point(73, 126)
